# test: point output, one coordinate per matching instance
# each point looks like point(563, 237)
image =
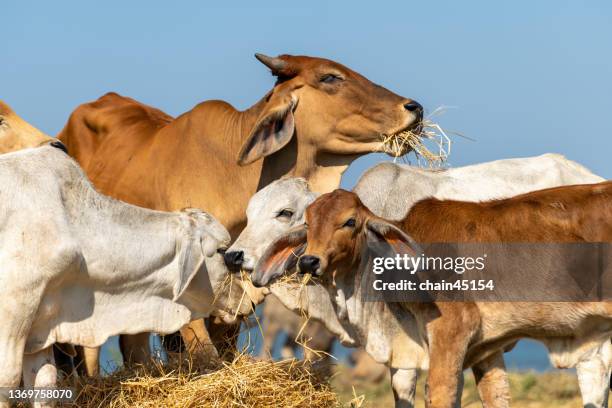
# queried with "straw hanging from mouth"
point(397, 144)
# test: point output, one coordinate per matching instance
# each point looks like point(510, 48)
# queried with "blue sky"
point(525, 77)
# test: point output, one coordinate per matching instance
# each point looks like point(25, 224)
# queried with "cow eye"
point(284, 214)
point(330, 79)
point(350, 223)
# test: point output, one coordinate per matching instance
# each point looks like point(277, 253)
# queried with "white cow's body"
point(389, 191)
point(78, 267)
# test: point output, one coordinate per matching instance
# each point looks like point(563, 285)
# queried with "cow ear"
point(382, 237)
point(191, 258)
point(280, 256)
point(272, 131)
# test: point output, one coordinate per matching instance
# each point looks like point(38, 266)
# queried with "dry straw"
point(399, 143)
point(243, 382)
point(299, 282)
point(197, 381)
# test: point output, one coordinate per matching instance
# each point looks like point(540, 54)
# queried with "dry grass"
point(243, 382)
point(555, 389)
point(301, 280)
point(246, 382)
point(408, 140)
point(295, 278)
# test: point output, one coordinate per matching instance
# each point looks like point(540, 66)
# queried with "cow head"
point(339, 230)
point(202, 271)
point(271, 212)
point(16, 133)
point(331, 107)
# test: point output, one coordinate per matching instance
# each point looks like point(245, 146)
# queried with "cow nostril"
point(234, 259)
point(413, 106)
point(309, 264)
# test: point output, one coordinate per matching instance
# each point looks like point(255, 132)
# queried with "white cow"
point(78, 267)
point(271, 212)
point(389, 190)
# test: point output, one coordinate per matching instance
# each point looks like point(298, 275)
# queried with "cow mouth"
point(411, 139)
point(399, 143)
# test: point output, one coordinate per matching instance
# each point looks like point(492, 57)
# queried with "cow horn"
point(274, 63)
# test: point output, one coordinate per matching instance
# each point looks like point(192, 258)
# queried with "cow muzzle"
point(234, 260)
point(309, 264)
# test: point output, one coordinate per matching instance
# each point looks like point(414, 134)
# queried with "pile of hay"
point(415, 141)
point(244, 382)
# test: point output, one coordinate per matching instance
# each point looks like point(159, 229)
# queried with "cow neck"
point(216, 126)
point(246, 121)
point(297, 159)
point(322, 170)
point(150, 234)
point(384, 329)
point(326, 171)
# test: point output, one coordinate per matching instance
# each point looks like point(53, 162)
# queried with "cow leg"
point(16, 314)
point(460, 384)
point(63, 354)
point(88, 361)
point(594, 377)
point(403, 383)
point(445, 371)
point(173, 342)
point(78, 361)
point(12, 344)
point(270, 333)
point(224, 337)
point(492, 381)
point(321, 362)
point(39, 371)
point(196, 339)
point(448, 343)
point(290, 348)
point(135, 348)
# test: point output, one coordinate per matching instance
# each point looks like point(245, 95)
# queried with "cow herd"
point(138, 222)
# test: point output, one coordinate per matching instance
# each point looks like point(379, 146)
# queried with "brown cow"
point(16, 133)
point(341, 233)
point(318, 118)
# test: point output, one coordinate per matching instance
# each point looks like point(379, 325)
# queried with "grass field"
point(529, 390)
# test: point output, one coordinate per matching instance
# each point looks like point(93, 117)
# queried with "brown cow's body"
point(563, 214)
point(140, 155)
point(318, 118)
point(463, 334)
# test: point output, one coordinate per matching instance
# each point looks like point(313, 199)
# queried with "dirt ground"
point(529, 390)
